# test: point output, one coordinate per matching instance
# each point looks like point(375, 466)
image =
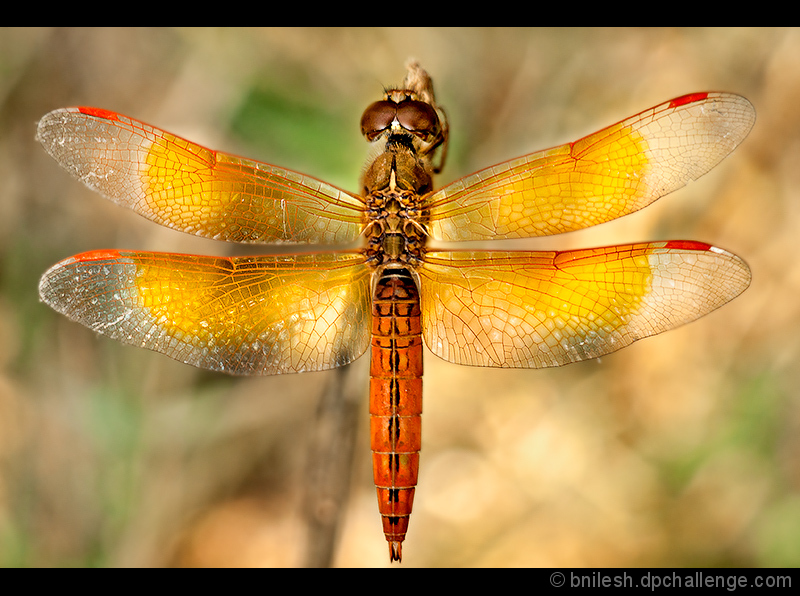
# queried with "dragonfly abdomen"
point(395, 403)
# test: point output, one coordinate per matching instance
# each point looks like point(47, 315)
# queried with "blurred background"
point(682, 450)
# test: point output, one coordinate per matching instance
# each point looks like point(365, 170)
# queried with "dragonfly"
point(386, 288)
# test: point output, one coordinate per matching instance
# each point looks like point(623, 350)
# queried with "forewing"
point(245, 316)
point(606, 175)
point(539, 309)
point(187, 187)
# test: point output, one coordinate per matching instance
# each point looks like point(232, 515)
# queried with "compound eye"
point(418, 118)
point(377, 118)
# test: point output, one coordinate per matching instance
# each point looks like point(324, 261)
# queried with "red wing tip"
point(696, 246)
point(97, 255)
point(690, 98)
point(687, 245)
point(395, 552)
point(99, 112)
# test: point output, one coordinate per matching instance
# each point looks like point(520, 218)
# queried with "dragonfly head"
point(411, 112)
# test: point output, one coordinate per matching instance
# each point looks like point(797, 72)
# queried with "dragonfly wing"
point(249, 315)
point(187, 187)
point(539, 309)
point(606, 175)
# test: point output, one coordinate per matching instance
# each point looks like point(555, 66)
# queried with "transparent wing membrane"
point(253, 315)
point(606, 175)
point(184, 186)
point(538, 309)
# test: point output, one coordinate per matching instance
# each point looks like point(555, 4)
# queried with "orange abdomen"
point(395, 403)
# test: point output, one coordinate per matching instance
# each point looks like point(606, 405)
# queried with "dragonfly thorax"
point(394, 185)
